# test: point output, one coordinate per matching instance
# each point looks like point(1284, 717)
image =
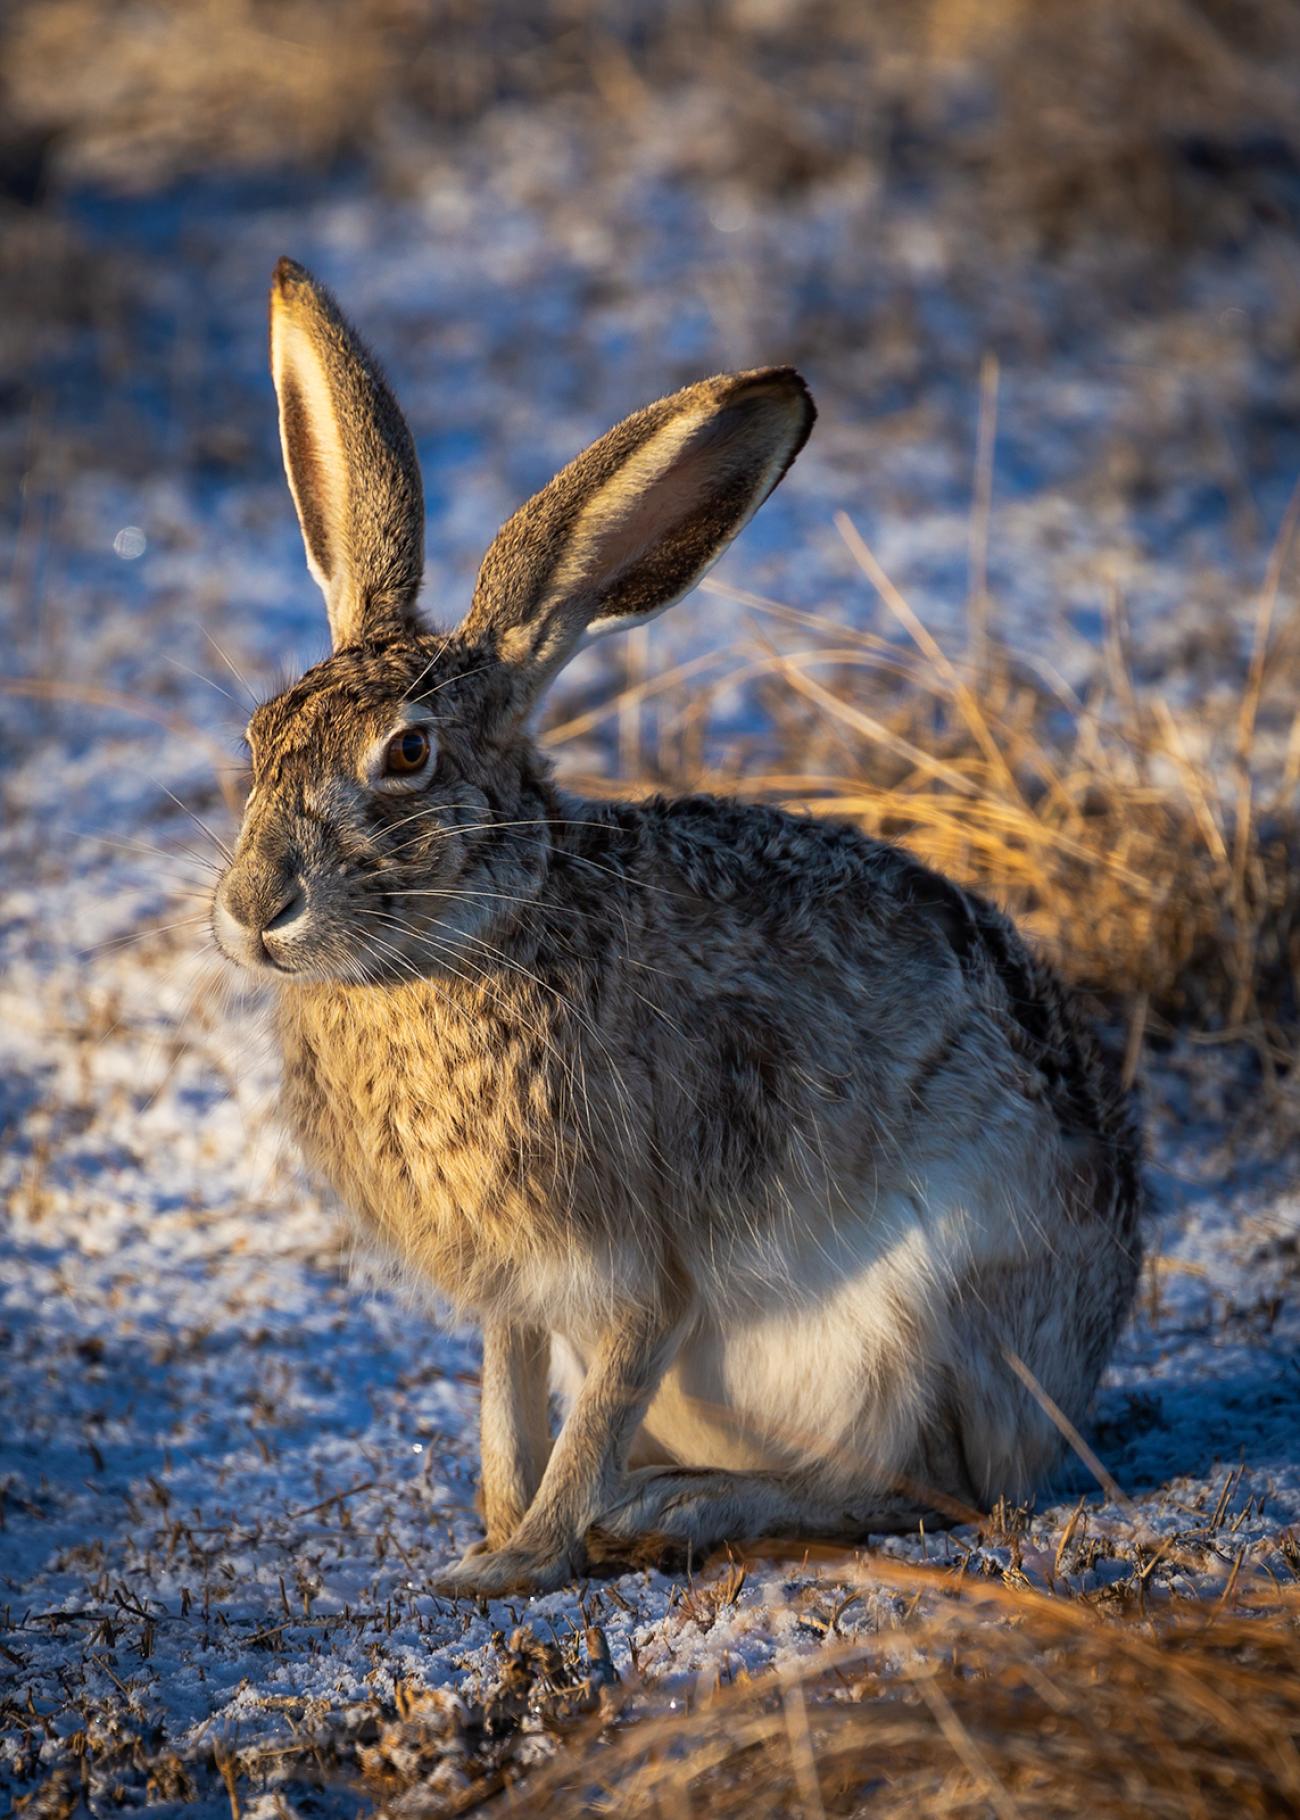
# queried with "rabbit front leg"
point(514, 1435)
point(585, 1473)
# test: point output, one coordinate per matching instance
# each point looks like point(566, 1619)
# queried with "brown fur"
point(771, 1142)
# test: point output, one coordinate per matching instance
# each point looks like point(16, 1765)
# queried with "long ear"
point(637, 519)
point(351, 463)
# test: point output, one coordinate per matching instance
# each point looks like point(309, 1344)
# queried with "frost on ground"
point(231, 1460)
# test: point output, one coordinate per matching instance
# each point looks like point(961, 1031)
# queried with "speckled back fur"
point(806, 1176)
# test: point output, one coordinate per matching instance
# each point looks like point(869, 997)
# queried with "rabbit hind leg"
point(671, 1511)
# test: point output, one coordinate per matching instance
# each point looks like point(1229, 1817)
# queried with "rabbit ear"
point(350, 460)
point(637, 519)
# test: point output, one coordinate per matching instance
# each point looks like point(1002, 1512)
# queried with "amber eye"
point(407, 752)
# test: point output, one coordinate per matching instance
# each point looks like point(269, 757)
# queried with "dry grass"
point(1165, 122)
point(994, 1699)
point(975, 1693)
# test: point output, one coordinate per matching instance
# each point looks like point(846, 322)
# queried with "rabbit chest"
point(457, 1134)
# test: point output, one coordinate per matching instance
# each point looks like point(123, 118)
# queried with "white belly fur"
point(836, 1365)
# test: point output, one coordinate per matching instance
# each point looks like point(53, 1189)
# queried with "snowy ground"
point(231, 1464)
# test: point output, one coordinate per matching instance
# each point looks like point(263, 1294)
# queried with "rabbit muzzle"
point(260, 919)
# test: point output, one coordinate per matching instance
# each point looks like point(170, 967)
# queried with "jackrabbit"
point(774, 1153)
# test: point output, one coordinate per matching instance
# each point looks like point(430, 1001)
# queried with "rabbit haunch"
point(778, 1155)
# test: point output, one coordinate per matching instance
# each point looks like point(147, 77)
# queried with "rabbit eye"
point(407, 752)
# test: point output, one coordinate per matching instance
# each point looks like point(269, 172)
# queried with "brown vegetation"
point(994, 1700)
point(1166, 122)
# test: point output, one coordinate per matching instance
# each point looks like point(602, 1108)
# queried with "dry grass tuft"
point(992, 1700)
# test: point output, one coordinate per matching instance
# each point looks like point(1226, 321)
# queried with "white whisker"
point(230, 664)
point(140, 935)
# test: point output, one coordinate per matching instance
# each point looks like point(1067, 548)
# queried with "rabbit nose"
point(291, 910)
point(285, 922)
point(246, 931)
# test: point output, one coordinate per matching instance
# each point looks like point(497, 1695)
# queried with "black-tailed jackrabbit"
point(775, 1154)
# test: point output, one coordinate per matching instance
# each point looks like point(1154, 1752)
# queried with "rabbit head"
point(395, 798)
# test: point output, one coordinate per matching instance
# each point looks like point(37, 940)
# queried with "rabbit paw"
point(489, 1573)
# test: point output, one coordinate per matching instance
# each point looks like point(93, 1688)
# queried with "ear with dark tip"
point(350, 460)
point(630, 526)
